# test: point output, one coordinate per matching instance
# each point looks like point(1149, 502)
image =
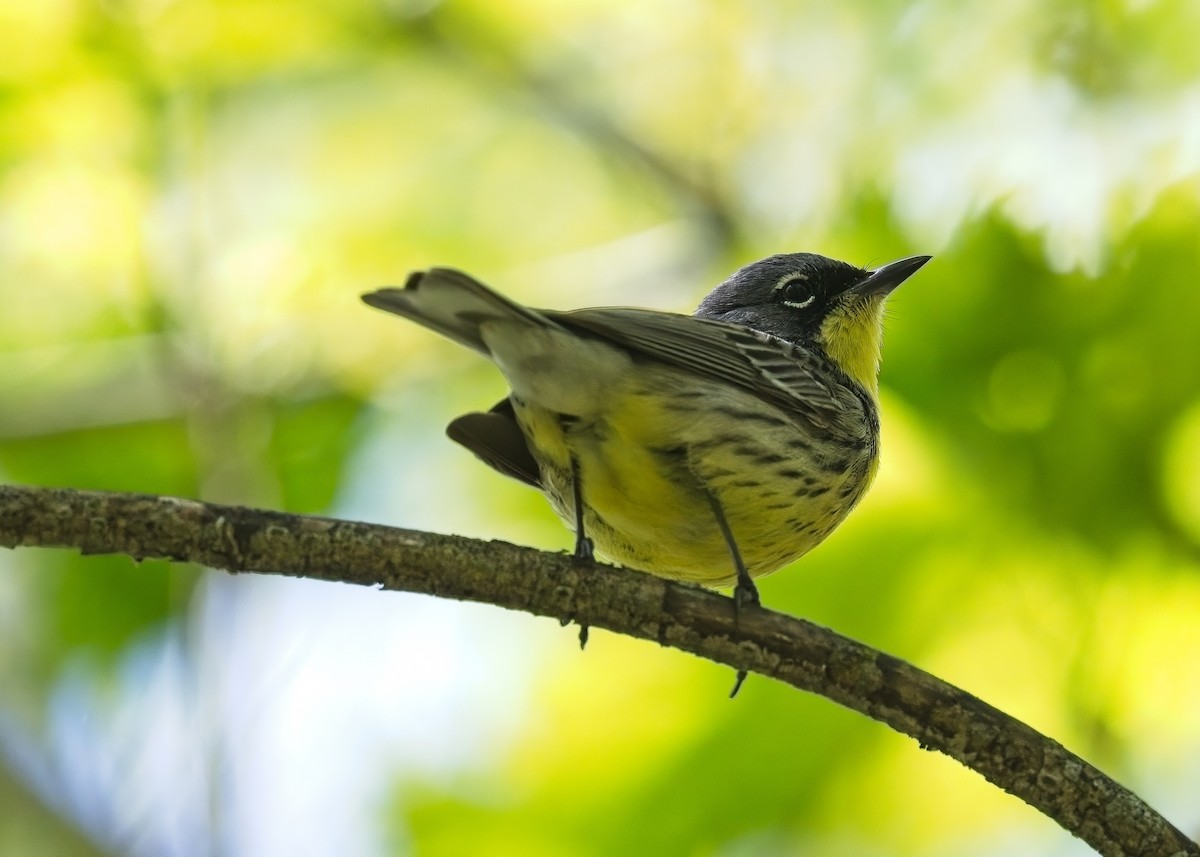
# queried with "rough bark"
point(939, 716)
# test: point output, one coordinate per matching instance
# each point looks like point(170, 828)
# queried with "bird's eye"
point(795, 291)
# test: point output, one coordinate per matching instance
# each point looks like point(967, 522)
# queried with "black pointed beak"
point(882, 280)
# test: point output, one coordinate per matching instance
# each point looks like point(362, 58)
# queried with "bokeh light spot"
point(1023, 391)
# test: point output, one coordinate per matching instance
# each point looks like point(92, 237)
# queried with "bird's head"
point(816, 302)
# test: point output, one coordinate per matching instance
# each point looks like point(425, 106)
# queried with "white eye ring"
point(790, 278)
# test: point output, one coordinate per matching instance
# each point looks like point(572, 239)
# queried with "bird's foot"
point(585, 550)
point(745, 594)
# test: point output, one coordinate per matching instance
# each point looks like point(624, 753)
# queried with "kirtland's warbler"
point(715, 447)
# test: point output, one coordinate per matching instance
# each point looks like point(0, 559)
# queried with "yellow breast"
point(647, 464)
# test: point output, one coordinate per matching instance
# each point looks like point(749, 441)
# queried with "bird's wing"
point(498, 441)
point(793, 379)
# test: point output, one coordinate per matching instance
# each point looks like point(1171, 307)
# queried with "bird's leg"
point(583, 545)
point(745, 592)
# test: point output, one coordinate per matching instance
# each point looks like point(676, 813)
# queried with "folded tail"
point(453, 304)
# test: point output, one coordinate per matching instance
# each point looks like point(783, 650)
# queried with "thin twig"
point(941, 717)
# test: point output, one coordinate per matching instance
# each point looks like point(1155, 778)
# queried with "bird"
point(712, 448)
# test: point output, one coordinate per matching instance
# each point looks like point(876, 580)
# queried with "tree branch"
point(941, 717)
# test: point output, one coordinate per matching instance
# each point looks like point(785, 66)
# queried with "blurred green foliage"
point(193, 193)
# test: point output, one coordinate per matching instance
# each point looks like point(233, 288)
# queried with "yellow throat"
point(852, 336)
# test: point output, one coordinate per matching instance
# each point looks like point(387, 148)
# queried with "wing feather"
point(796, 380)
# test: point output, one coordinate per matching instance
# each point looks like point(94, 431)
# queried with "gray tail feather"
point(451, 303)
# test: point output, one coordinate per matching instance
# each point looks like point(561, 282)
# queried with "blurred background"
point(192, 196)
